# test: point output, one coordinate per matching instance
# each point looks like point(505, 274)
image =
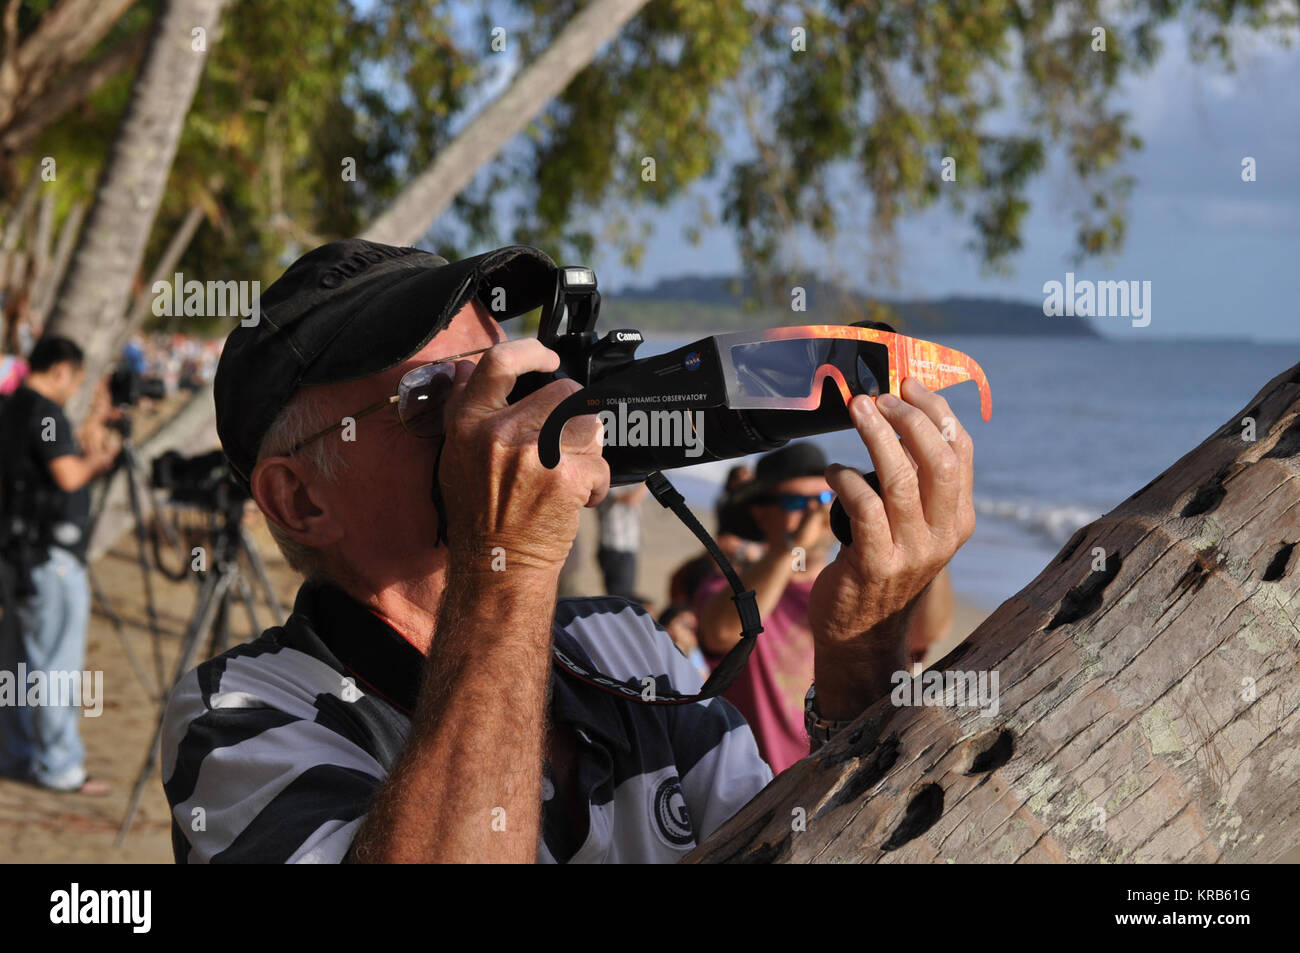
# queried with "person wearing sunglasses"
point(788, 507)
point(421, 703)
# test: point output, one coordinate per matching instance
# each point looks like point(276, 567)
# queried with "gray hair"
point(298, 420)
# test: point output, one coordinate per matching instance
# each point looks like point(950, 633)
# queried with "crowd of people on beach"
point(179, 361)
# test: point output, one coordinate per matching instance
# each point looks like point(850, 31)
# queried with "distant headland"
point(710, 303)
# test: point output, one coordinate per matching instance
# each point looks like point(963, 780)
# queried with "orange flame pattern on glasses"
point(933, 365)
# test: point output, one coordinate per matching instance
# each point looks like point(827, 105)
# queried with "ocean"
point(1079, 424)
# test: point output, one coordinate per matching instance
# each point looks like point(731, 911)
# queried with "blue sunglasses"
point(794, 502)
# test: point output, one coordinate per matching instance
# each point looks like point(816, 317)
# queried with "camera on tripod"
point(204, 481)
point(126, 387)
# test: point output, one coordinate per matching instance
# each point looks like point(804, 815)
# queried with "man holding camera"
point(45, 501)
point(411, 708)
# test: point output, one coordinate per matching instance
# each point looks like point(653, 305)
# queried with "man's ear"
point(283, 490)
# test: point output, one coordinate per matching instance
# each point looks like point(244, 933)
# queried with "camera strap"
point(647, 692)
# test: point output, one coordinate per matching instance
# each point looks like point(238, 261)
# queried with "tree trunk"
point(1149, 707)
point(17, 221)
point(92, 301)
point(418, 205)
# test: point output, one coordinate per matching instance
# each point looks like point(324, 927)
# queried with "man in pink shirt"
point(789, 501)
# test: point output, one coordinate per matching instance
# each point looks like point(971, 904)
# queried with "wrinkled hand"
point(861, 603)
point(496, 491)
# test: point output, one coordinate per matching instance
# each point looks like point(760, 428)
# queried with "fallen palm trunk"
point(1148, 704)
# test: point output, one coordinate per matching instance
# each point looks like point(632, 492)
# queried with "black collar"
point(370, 649)
point(383, 662)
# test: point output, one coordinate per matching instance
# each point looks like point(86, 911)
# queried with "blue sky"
point(1223, 255)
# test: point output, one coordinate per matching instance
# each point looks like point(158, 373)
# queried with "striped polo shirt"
point(273, 750)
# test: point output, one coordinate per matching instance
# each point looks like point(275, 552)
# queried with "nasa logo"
point(672, 819)
point(693, 361)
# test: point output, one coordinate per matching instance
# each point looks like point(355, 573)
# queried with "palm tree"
point(93, 298)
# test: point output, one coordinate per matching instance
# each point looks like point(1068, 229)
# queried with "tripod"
point(224, 579)
point(128, 463)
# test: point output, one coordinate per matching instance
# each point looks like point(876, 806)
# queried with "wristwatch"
point(819, 729)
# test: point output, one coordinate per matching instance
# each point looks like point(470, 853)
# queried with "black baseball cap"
point(792, 461)
point(350, 309)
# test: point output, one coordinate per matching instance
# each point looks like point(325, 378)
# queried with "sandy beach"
point(37, 826)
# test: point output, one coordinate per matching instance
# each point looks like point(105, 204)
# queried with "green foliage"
point(293, 91)
point(879, 96)
point(79, 142)
point(850, 132)
point(649, 95)
point(886, 90)
point(290, 90)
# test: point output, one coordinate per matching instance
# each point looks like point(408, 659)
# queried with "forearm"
point(72, 472)
point(468, 785)
point(852, 674)
point(719, 626)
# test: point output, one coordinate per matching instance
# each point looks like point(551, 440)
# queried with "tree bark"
point(92, 301)
point(1149, 706)
point(418, 205)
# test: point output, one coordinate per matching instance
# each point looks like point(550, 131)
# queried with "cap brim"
point(397, 318)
